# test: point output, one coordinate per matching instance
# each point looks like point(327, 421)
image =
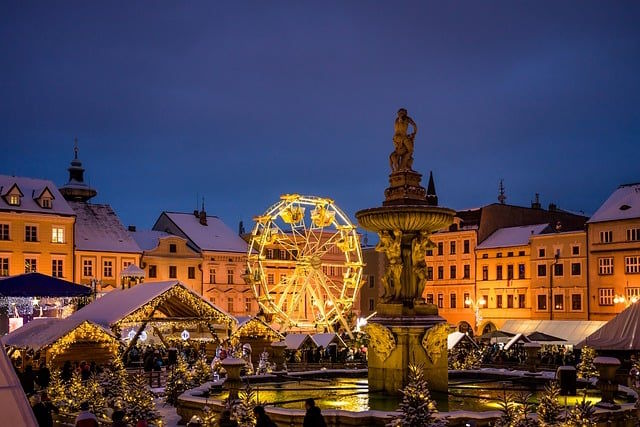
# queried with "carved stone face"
point(402, 112)
point(435, 341)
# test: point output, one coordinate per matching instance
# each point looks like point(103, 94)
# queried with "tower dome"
point(76, 189)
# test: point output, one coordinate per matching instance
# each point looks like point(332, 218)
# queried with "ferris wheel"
point(305, 263)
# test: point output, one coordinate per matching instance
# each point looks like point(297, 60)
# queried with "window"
point(4, 267)
point(466, 298)
point(576, 268)
point(499, 255)
point(558, 270)
point(173, 272)
point(542, 270)
point(452, 248)
point(542, 302)
point(372, 282)
point(541, 253)
point(605, 266)
point(510, 272)
point(172, 248)
point(247, 305)
point(521, 302)
point(212, 275)
point(269, 253)
point(485, 272)
point(466, 271)
point(509, 254)
point(30, 265)
point(484, 256)
point(452, 272)
point(605, 296)
point(4, 231)
point(498, 301)
point(429, 298)
point(14, 200)
point(440, 248)
point(632, 264)
point(271, 279)
point(499, 272)
point(107, 268)
point(576, 302)
point(440, 272)
point(633, 234)
point(191, 272)
point(30, 233)
point(153, 271)
point(429, 252)
point(372, 304)
point(230, 277)
point(633, 293)
point(230, 304)
point(429, 273)
point(465, 246)
point(87, 268)
point(575, 250)
point(509, 301)
point(57, 235)
point(558, 302)
point(45, 203)
point(56, 268)
point(486, 299)
point(606, 236)
point(521, 271)
point(453, 300)
point(521, 253)
point(440, 301)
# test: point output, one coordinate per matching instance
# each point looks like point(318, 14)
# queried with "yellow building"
point(504, 275)
point(375, 264)
point(613, 236)
point(559, 276)
point(36, 228)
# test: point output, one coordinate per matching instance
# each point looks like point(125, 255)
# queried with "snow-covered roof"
point(42, 332)
point(31, 189)
point(215, 236)
point(323, 340)
point(511, 236)
point(15, 408)
point(295, 341)
point(624, 203)
point(98, 228)
point(515, 339)
point(132, 270)
point(455, 337)
point(148, 240)
point(572, 331)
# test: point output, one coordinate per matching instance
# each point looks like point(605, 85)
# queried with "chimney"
point(536, 202)
point(552, 207)
point(132, 228)
point(196, 213)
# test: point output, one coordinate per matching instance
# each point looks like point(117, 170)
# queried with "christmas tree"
point(549, 409)
point(417, 407)
point(581, 415)
point(201, 372)
point(586, 368)
point(178, 381)
point(242, 409)
point(208, 417)
point(463, 357)
point(138, 401)
point(114, 382)
point(57, 391)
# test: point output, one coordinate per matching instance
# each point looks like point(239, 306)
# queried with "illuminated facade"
point(375, 264)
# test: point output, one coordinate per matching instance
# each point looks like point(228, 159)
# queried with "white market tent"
point(620, 333)
point(515, 339)
point(454, 338)
point(572, 331)
point(324, 340)
point(16, 410)
point(133, 270)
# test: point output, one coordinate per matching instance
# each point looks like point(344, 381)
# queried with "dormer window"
point(13, 200)
point(46, 203)
point(44, 198)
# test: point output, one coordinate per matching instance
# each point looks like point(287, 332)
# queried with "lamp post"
point(476, 306)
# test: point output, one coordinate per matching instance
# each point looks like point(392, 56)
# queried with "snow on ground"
point(168, 413)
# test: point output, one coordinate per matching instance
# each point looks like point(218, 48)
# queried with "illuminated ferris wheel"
point(305, 263)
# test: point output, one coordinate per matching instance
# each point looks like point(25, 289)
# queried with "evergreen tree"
point(509, 410)
point(586, 368)
point(178, 381)
point(138, 401)
point(208, 417)
point(463, 357)
point(114, 382)
point(549, 409)
point(242, 409)
point(417, 406)
point(581, 415)
point(523, 409)
point(89, 391)
point(201, 372)
point(57, 391)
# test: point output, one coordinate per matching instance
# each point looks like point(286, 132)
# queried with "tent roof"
point(323, 340)
point(170, 299)
point(496, 334)
point(515, 339)
point(16, 410)
point(620, 333)
point(40, 285)
point(542, 337)
point(132, 270)
point(572, 331)
point(295, 341)
point(42, 332)
point(245, 321)
point(455, 337)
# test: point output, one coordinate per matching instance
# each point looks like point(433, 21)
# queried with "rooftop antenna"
point(75, 148)
point(501, 195)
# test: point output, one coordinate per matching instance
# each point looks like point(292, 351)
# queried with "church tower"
point(76, 189)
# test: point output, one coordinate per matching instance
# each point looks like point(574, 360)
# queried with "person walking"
point(262, 419)
point(313, 417)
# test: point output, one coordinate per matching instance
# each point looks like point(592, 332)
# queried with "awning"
point(40, 285)
point(495, 334)
point(572, 331)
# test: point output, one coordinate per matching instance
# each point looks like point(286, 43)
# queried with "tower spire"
point(432, 198)
point(501, 195)
point(76, 189)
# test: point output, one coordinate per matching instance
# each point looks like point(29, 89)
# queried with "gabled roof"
point(148, 240)
point(40, 285)
point(39, 192)
point(31, 186)
point(323, 340)
point(455, 337)
point(15, 408)
point(247, 322)
point(620, 333)
point(624, 203)
point(512, 236)
point(215, 236)
point(132, 270)
point(296, 341)
point(98, 228)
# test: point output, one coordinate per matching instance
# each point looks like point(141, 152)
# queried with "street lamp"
point(476, 306)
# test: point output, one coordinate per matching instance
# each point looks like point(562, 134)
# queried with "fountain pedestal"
point(232, 383)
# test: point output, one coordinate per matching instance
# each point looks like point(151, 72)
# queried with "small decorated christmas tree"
point(417, 406)
point(208, 417)
point(242, 409)
point(581, 415)
point(586, 368)
point(201, 372)
point(178, 381)
point(57, 391)
point(549, 409)
point(114, 382)
point(79, 391)
point(138, 401)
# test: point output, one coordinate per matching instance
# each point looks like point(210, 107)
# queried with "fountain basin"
point(408, 218)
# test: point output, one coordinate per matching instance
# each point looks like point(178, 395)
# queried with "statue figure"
point(402, 157)
point(391, 245)
point(419, 246)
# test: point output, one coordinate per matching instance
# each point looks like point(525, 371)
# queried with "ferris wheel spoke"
point(326, 246)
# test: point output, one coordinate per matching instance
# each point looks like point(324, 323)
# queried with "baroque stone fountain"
point(405, 329)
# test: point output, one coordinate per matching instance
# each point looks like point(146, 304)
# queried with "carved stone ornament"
point(381, 339)
point(434, 341)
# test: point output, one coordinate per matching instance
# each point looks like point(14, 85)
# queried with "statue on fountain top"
point(401, 159)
